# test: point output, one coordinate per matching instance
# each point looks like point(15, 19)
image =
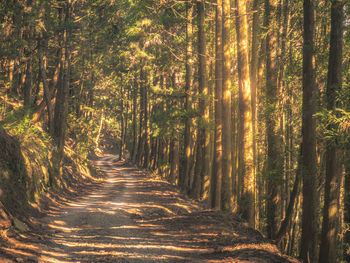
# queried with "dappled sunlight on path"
point(131, 216)
point(124, 219)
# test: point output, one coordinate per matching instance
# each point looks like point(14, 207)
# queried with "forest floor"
point(131, 216)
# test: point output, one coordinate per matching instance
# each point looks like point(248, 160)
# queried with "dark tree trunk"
point(61, 106)
point(329, 237)
point(202, 155)
point(185, 175)
point(274, 155)
point(28, 84)
point(134, 124)
point(308, 154)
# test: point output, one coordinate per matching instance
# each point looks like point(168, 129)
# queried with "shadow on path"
point(133, 217)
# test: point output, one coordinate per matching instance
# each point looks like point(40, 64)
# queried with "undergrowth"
point(37, 148)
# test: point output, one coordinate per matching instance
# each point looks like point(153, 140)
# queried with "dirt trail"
point(133, 217)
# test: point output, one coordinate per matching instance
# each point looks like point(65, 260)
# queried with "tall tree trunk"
point(308, 159)
point(47, 94)
point(333, 173)
point(202, 156)
point(247, 202)
point(126, 120)
point(122, 123)
point(216, 182)
point(143, 148)
point(15, 77)
point(141, 123)
point(274, 155)
point(253, 76)
point(188, 141)
point(174, 159)
point(28, 84)
point(293, 198)
point(134, 123)
point(226, 203)
point(61, 106)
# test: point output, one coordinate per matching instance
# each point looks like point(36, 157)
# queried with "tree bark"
point(47, 94)
point(308, 156)
point(274, 156)
point(134, 123)
point(216, 182)
point(122, 123)
point(247, 200)
point(202, 156)
point(184, 181)
point(28, 84)
point(174, 159)
point(253, 75)
point(61, 106)
point(328, 248)
point(226, 197)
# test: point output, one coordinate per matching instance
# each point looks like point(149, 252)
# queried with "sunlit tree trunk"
point(211, 87)
point(15, 76)
point(254, 67)
point(274, 156)
point(308, 154)
point(247, 202)
point(226, 203)
point(331, 212)
point(284, 116)
point(216, 181)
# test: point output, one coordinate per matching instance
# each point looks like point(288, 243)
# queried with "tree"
point(226, 109)
point(247, 199)
point(308, 154)
point(202, 155)
point(216, 181)
point(184, 181)
point(330, 229)
point(274, 155)
point(61, 106)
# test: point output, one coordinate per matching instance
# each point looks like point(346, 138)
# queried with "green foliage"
point(83, 131)
point(36, 147)
point(334, 125)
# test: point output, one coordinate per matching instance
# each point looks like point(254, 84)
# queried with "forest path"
point(134, 217)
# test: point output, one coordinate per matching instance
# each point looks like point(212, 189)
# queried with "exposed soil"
point(131, 216)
